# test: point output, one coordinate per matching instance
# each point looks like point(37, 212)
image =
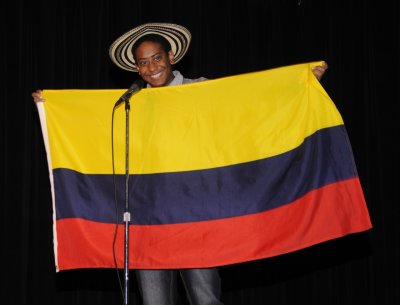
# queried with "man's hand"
point(37, 96)
point(320, 70)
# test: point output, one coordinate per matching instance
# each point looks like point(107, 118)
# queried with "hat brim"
point(121, 50)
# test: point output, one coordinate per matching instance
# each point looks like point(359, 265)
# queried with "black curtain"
point(63, 44)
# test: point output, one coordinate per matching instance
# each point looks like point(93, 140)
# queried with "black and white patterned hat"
point(121, 50)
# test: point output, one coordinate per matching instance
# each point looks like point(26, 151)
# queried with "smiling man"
point(150, 50)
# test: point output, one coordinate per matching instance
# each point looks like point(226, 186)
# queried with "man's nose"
point(152, 66)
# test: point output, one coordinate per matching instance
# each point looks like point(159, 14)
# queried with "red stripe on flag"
point(330, 212)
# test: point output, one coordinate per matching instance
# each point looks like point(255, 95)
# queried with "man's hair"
point(163, 42)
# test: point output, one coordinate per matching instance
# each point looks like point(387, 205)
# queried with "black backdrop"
point(63, 44)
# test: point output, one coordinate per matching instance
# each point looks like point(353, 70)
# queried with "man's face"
point(154, 64)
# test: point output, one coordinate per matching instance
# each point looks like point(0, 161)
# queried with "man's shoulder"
point(193, 80)
point(179, 79)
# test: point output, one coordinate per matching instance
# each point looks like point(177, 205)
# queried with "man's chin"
point(157, 83)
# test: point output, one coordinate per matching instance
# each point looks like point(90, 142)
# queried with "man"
point(151, 50)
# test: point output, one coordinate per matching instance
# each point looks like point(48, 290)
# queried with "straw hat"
point(121, 50)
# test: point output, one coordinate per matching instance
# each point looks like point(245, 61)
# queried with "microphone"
point(135, 87)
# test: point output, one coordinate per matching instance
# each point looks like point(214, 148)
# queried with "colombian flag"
point(220, 172)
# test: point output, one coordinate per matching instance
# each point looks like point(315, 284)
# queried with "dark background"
point(63, 44)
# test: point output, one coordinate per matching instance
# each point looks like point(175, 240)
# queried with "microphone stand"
point(136, 86)
point(127, 215)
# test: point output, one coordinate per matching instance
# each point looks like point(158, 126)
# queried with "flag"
point(218, 172)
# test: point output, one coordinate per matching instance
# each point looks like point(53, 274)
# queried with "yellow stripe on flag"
point(203, 125)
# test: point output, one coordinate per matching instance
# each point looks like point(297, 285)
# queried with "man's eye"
point(141, 63)
point(157, 58)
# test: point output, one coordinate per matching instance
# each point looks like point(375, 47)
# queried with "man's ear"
point(171, 57)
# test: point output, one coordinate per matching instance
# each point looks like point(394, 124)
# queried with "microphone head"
point(137, 85)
